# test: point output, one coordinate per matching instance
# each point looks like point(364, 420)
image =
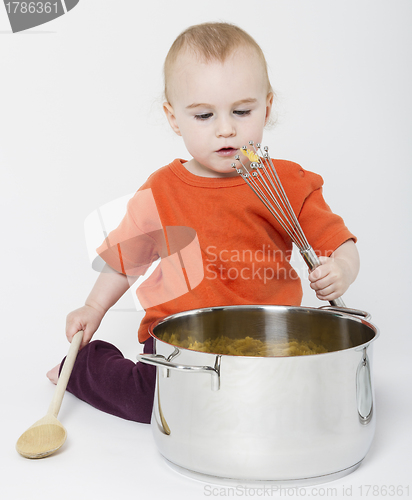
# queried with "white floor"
point(105, 457)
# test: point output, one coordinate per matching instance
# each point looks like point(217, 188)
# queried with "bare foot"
point(53, 374)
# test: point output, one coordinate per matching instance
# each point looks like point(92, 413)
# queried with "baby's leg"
point(103, 378)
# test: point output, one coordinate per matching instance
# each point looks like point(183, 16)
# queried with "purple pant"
point(103, 378)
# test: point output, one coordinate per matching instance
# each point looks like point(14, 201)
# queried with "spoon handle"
point(56, 402)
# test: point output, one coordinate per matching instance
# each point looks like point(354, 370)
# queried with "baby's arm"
point(109, 287)
point(336, 273)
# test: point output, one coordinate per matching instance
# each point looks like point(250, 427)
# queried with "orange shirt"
point(218, 243)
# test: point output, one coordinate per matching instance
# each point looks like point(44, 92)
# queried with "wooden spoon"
point(47, 435)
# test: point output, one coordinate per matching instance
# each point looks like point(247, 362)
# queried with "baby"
point(218, 98)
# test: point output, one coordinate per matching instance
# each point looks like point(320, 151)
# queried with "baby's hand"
point(86, 318)
point(331, 279)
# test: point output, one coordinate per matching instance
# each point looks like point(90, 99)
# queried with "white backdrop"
point(81, 124)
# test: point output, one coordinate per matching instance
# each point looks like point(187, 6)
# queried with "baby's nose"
point(225, 128)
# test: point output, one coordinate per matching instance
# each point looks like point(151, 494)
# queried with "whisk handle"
point(312, 261)
point(310, 257)
point(337, 302)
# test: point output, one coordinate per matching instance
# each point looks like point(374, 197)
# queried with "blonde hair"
point(212, 42)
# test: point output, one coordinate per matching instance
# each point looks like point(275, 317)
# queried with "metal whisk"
point(264, 181)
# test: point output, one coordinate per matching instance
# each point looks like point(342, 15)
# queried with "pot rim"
point(340, 313)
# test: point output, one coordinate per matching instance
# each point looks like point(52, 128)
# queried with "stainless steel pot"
point(293, 420)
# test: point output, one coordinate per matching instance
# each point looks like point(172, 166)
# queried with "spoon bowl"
point(47, 435)
point(42, 439)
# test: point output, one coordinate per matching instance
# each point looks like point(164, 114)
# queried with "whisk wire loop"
point(266, 184)
point(262, 178)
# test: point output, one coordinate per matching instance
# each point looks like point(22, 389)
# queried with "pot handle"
point(364, 393)
point(159, 360)
point(347, 310)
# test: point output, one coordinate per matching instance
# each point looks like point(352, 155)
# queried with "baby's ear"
point(170, 114)
point(269, 103)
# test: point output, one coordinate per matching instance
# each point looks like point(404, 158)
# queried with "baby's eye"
point(242, 112)
point(203, 116)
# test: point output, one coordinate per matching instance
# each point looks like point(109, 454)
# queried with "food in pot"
point(247, 346)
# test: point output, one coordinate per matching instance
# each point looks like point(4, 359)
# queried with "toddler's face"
point(217, 108)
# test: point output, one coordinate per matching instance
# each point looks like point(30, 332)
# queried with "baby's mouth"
point(227, 151)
